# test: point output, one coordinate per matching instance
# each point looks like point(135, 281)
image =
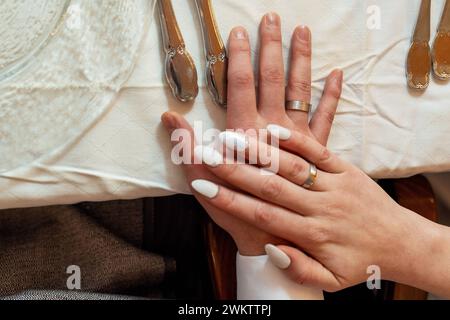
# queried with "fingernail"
point(169, 121)
point(240, 34)
point(206, 188)
point(303, 33)
point(234, 141)
point(272, 19)
point(208, 155)
point(279, 132)
point(277, 257)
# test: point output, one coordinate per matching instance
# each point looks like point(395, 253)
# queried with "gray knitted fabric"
point(66, 296)
point(104, 240)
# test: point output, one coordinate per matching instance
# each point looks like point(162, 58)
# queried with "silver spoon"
point(180, 69)
point(441, 47)
point(419, 55)
point(216, 56)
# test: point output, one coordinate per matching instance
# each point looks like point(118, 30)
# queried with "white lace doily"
point(25, 26)
point(61, 64)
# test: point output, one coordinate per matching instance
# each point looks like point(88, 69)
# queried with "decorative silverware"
point(419, 56)
point(216, 56)
point(441, 47)
point(180, 69)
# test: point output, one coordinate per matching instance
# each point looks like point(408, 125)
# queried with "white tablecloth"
point(381, 127)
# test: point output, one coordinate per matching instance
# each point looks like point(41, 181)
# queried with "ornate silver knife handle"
point(216, 55)
point(180, 69)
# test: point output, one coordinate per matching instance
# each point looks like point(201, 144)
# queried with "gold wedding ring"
point(297, 105)
point(313, 173)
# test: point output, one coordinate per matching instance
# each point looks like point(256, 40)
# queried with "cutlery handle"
point(213, 41)
point(172, 37)
point(216, 55)
point(445, 20)
point(422, 32)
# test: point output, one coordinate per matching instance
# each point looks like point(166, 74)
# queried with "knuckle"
point(303, 49)
point(230, 170)
point(296, 168)
point(324, 155)
point(329, 209)
point(318, 234)
point(271, 35)
point(301, 86)
point(272, 75)
point(333, 210)
point(243, 48)
point(241, 78)
point(302, 276)
point(327, 116)
point(302, 140)
point(271, 188)
point(228, 199)
point(263, 214)
point(237, 47)
point(334, 92)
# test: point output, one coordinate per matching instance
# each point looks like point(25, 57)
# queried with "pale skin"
point(243, 112)
point(345, 223)
point(338, 228)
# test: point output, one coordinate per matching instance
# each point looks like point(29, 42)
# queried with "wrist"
point(432, 273)
point(419, 259)
point(405, 246)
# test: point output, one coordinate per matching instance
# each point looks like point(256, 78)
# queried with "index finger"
point(264, 216)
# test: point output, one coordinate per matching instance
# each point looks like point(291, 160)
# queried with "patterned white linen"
point(61, 64)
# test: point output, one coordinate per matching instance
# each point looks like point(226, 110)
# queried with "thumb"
point(302, 269)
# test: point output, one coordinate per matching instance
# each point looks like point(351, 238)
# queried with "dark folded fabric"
point(104, 240)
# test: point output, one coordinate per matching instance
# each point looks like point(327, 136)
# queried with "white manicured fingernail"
point(208, 155)
point(206, 188)
point(279, 132)
point(234, 141)
point(278, 257)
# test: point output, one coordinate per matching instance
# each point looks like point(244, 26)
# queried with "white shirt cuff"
point(258, 279)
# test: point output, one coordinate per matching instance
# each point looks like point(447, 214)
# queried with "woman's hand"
point(244, 113)
point(339, 228)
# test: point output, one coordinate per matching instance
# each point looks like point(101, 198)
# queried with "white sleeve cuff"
point(258, 279)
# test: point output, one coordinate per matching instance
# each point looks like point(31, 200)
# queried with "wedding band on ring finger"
point(313, 174)
point(303, 174)
point(297, 105)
